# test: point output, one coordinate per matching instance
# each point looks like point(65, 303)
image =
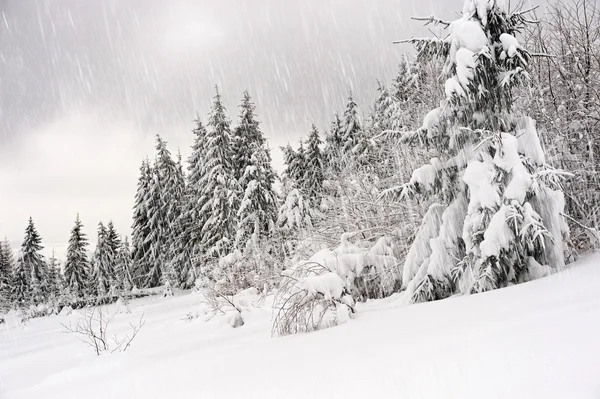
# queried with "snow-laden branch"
point(431, 20)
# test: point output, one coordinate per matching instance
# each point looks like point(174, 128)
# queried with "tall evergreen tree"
point(334, 144)
point(6, 271)
point(112, 237)
point(496, 222)
point(246, 136)
point(55, 280)
point(123, 269)
point(219, 187)
point(141, 226)
point(164, 208)
point(188, 249)
point(32, 270)
point(313, 168)
point(104, 263)
point(352, 130)
point(258, 208)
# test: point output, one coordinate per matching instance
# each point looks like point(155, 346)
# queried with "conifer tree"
point(123, 269)
point(219, 187)
point(258, 208)
point(313, 168)
point(21, 283)
point(352, 131)
point(164, 208)
point(55, 281)
point(496, 221)
point(31, 270)
point(141, 226)
point(6, 275)
point(246, 135)
point(112, 237)
point(77, 266)
point(188, 249)
point(104, 263)
point(334, 144)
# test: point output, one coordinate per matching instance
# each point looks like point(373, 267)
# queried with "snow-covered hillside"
point(536, 340)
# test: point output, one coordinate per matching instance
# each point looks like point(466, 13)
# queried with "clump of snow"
point(236, 320)
point(452, 87)
point(550, 204)
point(529, 141)
point(431, 122)
point(507, 158)
point(479, 176)
point(246, 298)
point(467, 33)
point(498, 235)
point(330, 285)
point(426, 175)
point(421, 249)
point(510, 44)
point(465, 66)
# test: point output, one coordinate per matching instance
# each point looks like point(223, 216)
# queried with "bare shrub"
point(92, 330)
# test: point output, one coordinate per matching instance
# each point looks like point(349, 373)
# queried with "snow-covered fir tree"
point(123, 266)
point(497, 217)
point(164, 207)
point(313, 168)
point(188, 246)
point(77, 266)
point(55, 278)
point(258, 209)
point(112, 237)
point(351, 129)
point(104, 278)
point(7, 264)
point(31, 271)
point(141, 226)
point(218, 196)
point(334, 144)
point(246, 135)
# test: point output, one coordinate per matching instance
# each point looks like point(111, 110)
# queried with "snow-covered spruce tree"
point(77, 265)
point(352, 130)
point(188, 248)
point(55, 278)
point(498, 216)
point(313, 168)
point(6, 273)
point(31, 271)
point(245, 135)
point(296, 216)
point(123, 266)
point(112, 237)
point(334, 144)
point(258, 209)
point(164, 209)
point(141, 226)
point(293, 173)
point(104, 278)
point(219, 188)
point(178, 267)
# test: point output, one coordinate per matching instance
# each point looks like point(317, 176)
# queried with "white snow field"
point(537, 340)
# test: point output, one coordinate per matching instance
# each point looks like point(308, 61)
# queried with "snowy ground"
point(536, 340)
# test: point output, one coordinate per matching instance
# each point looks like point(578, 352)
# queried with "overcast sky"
point(85, 86)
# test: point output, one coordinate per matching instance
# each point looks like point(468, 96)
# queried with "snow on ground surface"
point(536, 340)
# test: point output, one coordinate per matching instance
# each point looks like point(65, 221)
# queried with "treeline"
point(390, 170)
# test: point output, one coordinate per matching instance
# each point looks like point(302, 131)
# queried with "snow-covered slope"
point(536, 340)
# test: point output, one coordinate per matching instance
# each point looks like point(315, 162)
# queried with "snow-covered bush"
point(322, 290)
